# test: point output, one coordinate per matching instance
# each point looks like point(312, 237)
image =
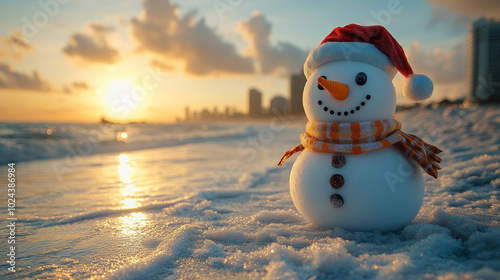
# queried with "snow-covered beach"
point(209, 202)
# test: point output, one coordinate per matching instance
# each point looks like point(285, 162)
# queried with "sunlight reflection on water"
point(131, 223)
point(128, 191)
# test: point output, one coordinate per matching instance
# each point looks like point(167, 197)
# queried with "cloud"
point(458, 22)
point(67, 90)
point(17, 39)
point(282, 59)
point(158, 64)
point(100, 28)
point(442, 66)
point(80, 85)
point(75, 86)
point(10, 79)
point(93, 46)
point(16, 45)
point(187, 39)
point(162, 31)
point(476, 8)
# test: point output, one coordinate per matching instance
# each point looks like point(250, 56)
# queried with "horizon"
point(65, 61)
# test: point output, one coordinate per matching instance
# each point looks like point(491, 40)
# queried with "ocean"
point(207, 201)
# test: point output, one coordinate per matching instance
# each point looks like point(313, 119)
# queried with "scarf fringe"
point(289, 153)
point(424, 154)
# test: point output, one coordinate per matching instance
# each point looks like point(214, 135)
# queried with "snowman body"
point(379, 191)
point(374, 191)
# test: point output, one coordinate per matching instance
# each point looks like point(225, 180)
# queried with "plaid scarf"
point(364, 137)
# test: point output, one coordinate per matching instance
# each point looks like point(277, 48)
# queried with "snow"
point(455, 235)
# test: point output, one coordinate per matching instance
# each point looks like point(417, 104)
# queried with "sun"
point(121, 98)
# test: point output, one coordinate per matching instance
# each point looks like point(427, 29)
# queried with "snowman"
point(357, 170)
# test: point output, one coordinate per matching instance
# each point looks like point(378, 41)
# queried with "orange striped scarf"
point(364, 137)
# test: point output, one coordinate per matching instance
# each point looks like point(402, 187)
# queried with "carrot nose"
point(337, 90)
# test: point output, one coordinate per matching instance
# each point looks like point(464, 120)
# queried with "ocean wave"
point(26, 142)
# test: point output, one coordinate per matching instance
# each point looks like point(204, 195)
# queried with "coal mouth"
point(344, 113)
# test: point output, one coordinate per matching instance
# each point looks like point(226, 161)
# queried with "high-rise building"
point(215, 113)
point(278, 105)
point(254, 103)
point(187, 113)
point(297, 83)
point(484, 59)
point(205, 115)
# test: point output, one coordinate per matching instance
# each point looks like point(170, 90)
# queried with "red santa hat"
point(373, 45)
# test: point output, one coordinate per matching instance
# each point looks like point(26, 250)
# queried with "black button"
point(336, 200)
point(337, 181)
point(338, 161)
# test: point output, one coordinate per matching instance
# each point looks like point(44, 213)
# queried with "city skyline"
point(278, 104)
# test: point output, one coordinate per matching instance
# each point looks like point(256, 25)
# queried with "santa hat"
point(373, 45)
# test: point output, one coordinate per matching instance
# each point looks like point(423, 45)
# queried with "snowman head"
point(349, 76)
point(349, 91)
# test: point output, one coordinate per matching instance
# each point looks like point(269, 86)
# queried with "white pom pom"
point(418, 87)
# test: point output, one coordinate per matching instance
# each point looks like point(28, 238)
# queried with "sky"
point(146, 60)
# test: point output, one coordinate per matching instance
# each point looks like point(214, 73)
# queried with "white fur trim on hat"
point(418, 87)
point(347, 51)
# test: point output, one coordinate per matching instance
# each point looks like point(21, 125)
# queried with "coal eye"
point(319, 86)
point(361, 78)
